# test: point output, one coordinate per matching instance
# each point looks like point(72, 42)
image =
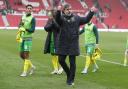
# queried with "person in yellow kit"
point(51, 42)
point(24, 37)
point(126, 54)
point(91, 43)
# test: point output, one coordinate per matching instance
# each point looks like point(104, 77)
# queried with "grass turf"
point(110, 76)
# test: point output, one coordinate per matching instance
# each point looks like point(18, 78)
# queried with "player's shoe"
point(60, 71)
point(54, 72)
point(24, 74)
point(32, 70)
point(70, 83)
point(125, 65)
point(84, 71)
point(95, 69)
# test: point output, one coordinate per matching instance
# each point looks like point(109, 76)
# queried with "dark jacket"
point(68, 43)
point(50, 27)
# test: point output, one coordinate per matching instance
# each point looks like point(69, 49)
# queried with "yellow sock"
point(26, 65)
point(94, 63)
point(55, 62)
point(30, 64)
point(59, 66)
point(87, 62)
point(125, 61)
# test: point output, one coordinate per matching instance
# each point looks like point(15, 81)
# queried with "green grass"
point(110, 76)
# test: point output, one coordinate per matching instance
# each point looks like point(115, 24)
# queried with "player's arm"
point(33, 24)
point(96, 34)
point(51, 24)
point(86, 19)
point(48, 26)
point(81, 31)
point(20, 24)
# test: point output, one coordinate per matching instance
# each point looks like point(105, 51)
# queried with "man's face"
point(50, 17)
point(29, 9)
point(67, 11)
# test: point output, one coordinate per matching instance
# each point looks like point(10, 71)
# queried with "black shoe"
point(70, 83)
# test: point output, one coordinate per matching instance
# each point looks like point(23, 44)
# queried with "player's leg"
point(95, 66)
point(87, 63)
point(21, 50)
point(21, 55)
point(54, 58)
point(55, 64)
point(31, 66)
point(125, 57)
point(93, 60)
point(89, 51)
point(60, 69)
point(28, 66)
point(24, 73)
point(87, 60)
point(27, 62)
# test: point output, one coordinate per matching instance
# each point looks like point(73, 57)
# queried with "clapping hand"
point(94, 9)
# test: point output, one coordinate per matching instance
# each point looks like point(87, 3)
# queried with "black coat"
point(68, 43)
point(50, 27)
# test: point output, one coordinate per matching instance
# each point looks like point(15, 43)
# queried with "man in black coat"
point(68, 41)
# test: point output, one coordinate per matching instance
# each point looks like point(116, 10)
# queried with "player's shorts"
point(52, 48)
point(90, 48)
point(26, 45)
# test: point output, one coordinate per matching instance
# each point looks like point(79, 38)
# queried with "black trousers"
point(71, 69)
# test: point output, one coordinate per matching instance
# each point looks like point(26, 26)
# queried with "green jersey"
point(89, 34)
point(28, 26)
point(26, 20)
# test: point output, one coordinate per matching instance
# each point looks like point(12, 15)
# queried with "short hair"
point(66, 6)
point(29, 5)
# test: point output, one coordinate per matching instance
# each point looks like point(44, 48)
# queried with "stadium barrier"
point(42, 28)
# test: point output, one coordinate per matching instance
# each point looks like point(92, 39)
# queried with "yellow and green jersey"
point(28, 22)
point(91, 34)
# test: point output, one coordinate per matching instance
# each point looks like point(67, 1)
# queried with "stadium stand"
point(1, 21)
point(19, 5)
point(76, 6)
point(118, 15)
point(124, 3)
point(2, 5)
point(110, 16)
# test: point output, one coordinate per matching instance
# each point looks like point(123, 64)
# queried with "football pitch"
point(111, 75)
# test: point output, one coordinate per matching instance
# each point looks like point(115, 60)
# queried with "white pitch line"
point(110, 53)
point(108, 61)
point(112, 62)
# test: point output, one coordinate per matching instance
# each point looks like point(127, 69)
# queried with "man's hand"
point(59, 7)
point(97, 46)
point(21, 29)
point(94, 9)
